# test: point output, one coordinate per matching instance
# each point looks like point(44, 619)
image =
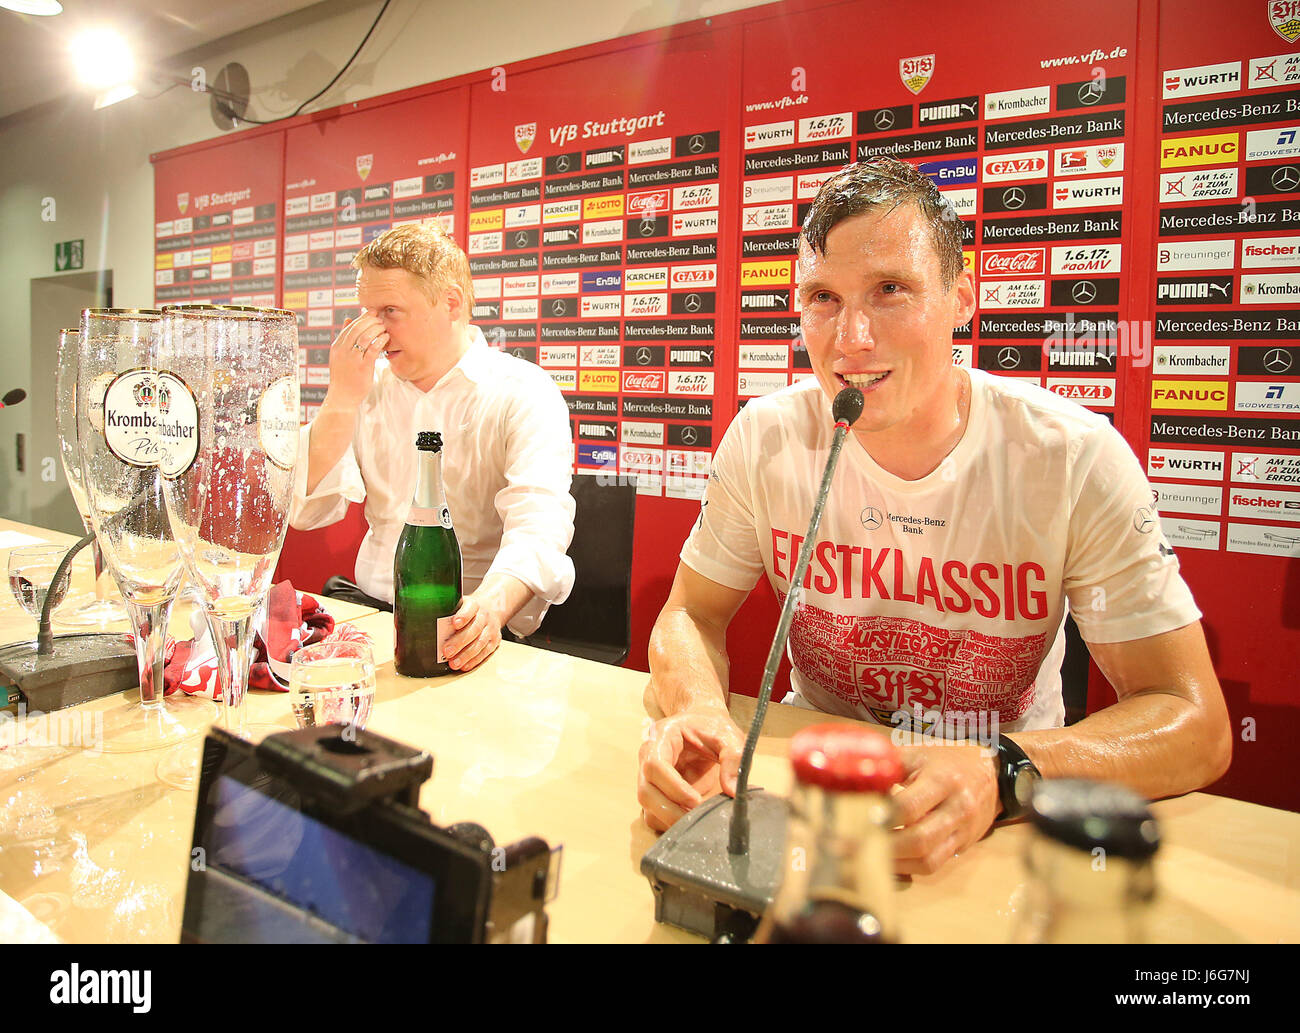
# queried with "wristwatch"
point(1017, 777)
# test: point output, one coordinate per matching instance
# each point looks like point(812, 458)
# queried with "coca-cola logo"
point(1014, 262)
point(648, 203)
point(652, 382)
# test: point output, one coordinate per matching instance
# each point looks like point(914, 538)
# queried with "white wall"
point(95, 164)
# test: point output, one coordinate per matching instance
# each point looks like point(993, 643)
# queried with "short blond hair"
point(427, 253)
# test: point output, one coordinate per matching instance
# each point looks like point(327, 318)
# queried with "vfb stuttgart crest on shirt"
point(916, 71)
point(525, 134)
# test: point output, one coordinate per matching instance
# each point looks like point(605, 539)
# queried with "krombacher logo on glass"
point(130, 423)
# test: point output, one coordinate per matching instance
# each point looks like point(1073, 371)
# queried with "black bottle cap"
point(428, 441)
point(1088, 815)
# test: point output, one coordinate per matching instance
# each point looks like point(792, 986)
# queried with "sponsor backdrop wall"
point(1131, 213)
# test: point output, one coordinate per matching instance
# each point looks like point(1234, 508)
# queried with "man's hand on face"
point(477, 635)
point(948, 801)
point(352, 360)
point(684, 759)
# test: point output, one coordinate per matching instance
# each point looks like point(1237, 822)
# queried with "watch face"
point(1026, 779)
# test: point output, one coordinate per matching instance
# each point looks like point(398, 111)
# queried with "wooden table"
point(538, 743)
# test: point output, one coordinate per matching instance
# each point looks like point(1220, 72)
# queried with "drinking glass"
point(332, 683)
point(117, 410)
point(31, 573)
point(228, 434)
point(101, 610)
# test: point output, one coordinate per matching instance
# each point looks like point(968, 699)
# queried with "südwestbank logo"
point(1025, 261)
point(648, 383)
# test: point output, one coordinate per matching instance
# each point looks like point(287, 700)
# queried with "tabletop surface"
point(94, 848)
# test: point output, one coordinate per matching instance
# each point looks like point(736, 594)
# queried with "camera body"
point(316, 836)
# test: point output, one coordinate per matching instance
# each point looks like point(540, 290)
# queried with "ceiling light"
point(102, 58)
point(37, 7)
point(115, 93)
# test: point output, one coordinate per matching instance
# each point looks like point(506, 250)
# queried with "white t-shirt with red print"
point(946, 593)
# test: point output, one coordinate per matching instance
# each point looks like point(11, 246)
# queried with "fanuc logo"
point(120, 986)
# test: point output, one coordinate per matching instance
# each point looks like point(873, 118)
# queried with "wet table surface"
point(94, 848)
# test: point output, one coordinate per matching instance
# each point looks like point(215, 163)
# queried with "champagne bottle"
point(426, 571)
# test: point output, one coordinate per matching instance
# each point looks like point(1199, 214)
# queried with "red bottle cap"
point(845, 759)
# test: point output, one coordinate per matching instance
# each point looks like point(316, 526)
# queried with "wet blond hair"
point(427, 253)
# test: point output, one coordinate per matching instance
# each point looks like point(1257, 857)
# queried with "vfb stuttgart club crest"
point(1284, 16)
point(525, 134)
point(182, 202)
point(1106, 155)
point(365, 162)
point(916, 71)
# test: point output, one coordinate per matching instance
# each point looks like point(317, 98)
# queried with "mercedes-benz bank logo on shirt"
point(1277, 360)
point(1008, 358)
point(1084, 292)
point(1143, 520)
point(1285, 179)
point(872, 518)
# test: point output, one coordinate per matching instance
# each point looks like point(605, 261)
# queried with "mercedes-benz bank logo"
point(692, 303)
point(648, 227)
point(872, 518)
point(1091, 92)
point(643, 356)
point(696, 144)
point(884, 119)
point(1013, 198)
point(562, 163)
point(1285, 179)
point(1008, 357)
point(1277, 360)
point(521, 238)
point(689, 435)
point(1084, 293)
point(558, 307)
point(1144, 519)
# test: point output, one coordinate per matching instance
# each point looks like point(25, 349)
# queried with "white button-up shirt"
point(507, 463)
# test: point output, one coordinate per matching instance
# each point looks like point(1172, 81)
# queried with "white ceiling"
point(34, 62)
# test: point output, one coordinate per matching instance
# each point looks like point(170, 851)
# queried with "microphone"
point(697, 885)
point(13, 397)
point(846, 409)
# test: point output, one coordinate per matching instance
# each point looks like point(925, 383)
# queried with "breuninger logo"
point(93, 986)
point(1129, 337)
point(63, 728)
point(918, 727)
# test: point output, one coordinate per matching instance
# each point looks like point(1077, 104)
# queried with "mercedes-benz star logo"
point(872, 518)
point(558, 307)
point(521, 238)
point(438, 182)
point(1091, 92)
point(692, 303)
point(1286, 179)
point(648, 227)
point(643, 356)
point(1008, 357)
point(1144, 519)
point(562, 163)
point(884, 119)
point(1084, 293)
point(696, 144)
point(1013, 198)
point(689, 436)
point(1277, 360)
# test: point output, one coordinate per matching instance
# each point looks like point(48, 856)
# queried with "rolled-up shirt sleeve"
point(328, 504)
point(535, 506)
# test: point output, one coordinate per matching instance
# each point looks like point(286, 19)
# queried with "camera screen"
point(338, 880)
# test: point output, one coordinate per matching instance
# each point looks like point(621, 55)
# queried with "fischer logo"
point(1026, 165)
point(1014, 262)
point(1266, 251)
point(644, 383)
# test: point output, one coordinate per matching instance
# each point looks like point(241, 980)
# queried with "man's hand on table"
point(949, 800)
point(684, 759)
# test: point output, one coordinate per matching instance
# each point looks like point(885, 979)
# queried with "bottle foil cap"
point(845, 758)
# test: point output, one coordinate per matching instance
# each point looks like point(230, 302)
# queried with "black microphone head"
point(13, 397)
point(848, 405)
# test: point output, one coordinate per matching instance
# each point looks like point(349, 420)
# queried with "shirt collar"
point(473, 365)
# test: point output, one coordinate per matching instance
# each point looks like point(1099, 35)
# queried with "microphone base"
point(700, 887)
point(81, 668)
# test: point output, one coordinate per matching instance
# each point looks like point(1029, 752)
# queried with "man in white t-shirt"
point(966, 510)
point(507, 450)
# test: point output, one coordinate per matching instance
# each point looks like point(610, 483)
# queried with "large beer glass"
point(117, 409)
point(101, 610)
point(228, 403)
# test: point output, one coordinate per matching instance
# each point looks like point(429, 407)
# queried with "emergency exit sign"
point(69, 254)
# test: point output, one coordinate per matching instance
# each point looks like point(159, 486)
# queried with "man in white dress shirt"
point(507, 450)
